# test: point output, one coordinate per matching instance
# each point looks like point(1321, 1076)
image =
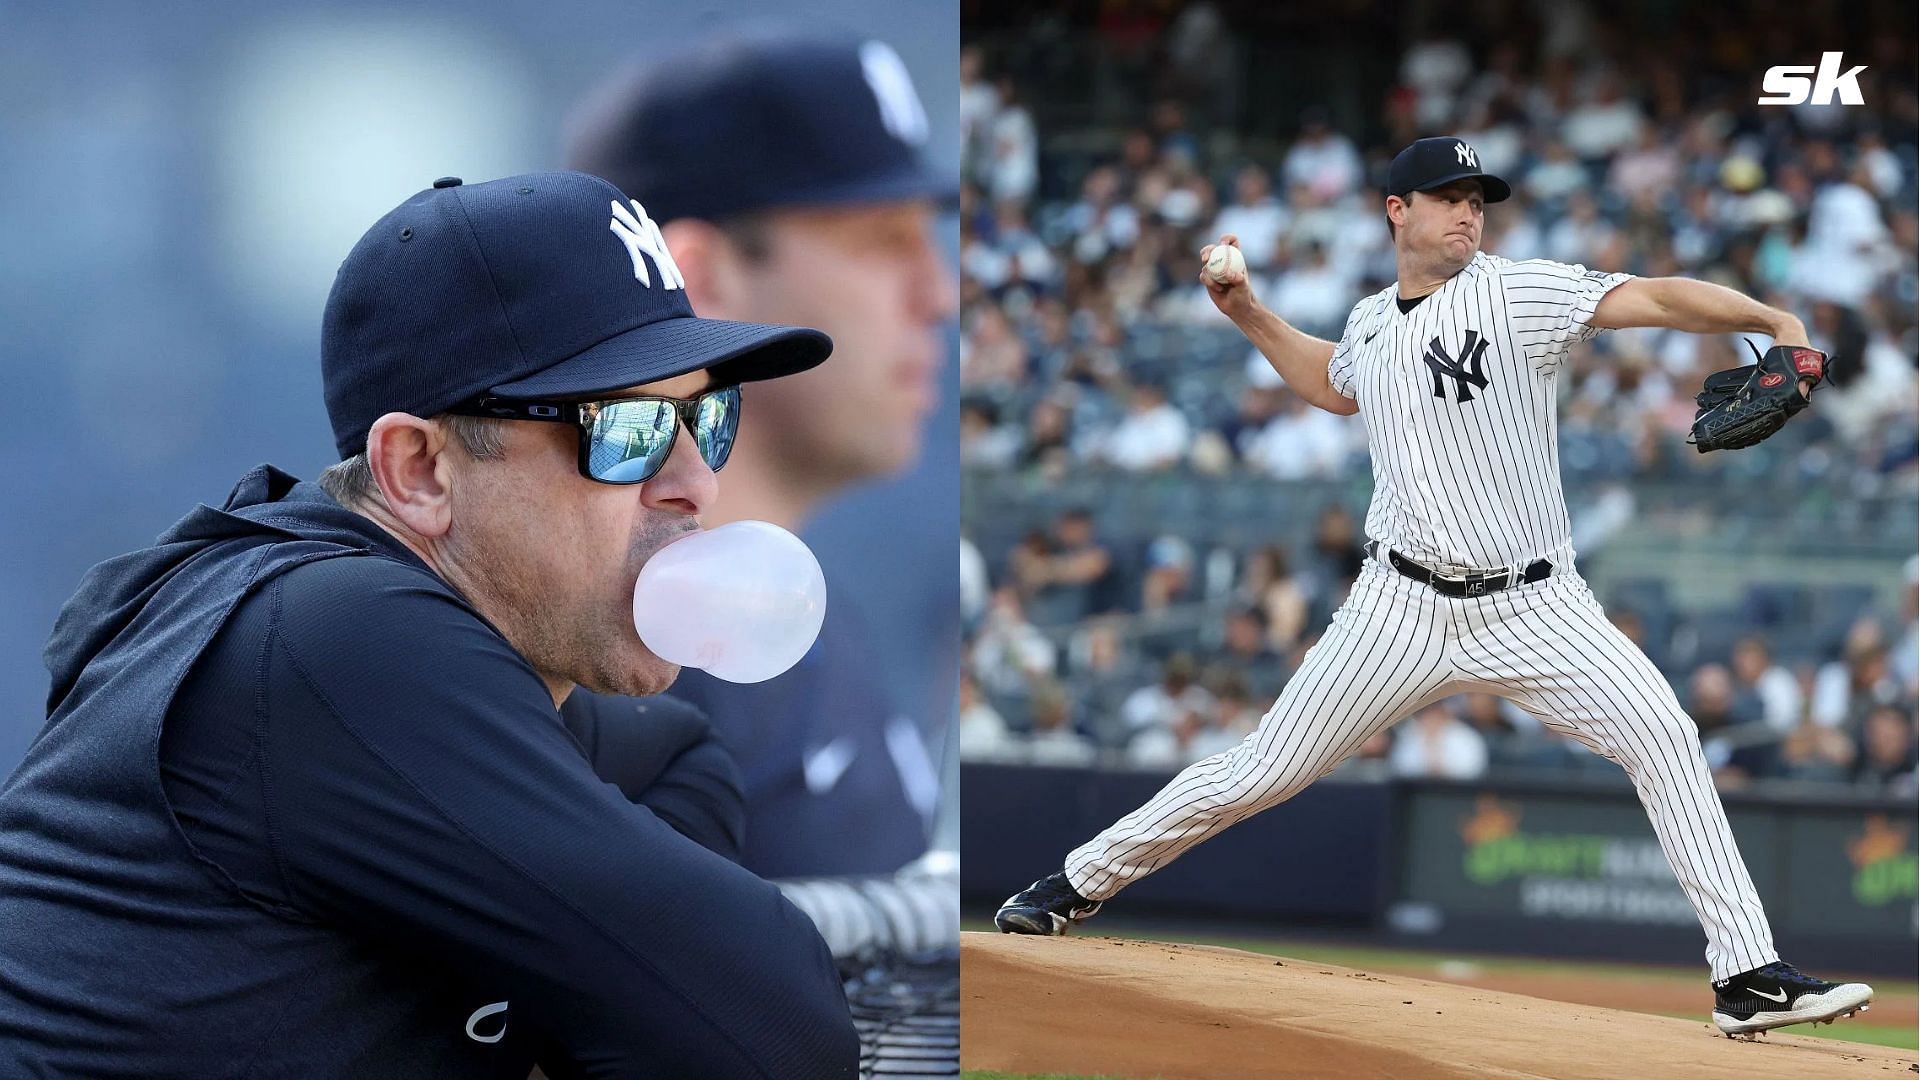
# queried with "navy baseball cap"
point(1437, 162)
point(552, 285)
point(759, 120)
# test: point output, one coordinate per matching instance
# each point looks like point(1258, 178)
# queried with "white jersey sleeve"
point(1550, 305)
point(1365, 314)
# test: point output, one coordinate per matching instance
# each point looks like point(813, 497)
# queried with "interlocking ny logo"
point(900, 108)
point(1466, 155)
point(636, 230)
point(1466, 371)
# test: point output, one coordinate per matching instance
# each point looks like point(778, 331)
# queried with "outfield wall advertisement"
point(1527, 859)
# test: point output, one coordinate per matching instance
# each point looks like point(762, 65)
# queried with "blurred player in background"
point(786, 171)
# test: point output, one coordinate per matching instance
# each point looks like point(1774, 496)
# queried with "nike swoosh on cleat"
point(1782, 998)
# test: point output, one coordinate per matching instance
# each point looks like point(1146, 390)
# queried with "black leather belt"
point(1475, 584)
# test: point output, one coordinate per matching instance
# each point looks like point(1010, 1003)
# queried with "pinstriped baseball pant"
point(1396, 646)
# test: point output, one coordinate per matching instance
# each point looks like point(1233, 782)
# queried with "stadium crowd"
point(1090, 348)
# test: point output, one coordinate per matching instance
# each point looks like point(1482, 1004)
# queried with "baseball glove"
point(1741, 406)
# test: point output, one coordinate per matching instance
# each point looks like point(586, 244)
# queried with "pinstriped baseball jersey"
point(1459, 401)
point(1458, 397)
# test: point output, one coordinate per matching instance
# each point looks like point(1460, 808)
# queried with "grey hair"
point(351, 483)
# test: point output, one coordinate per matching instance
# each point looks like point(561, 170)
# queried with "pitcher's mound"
point(1109, 1007)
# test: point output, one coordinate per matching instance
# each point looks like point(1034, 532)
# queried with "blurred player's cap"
point(759, 120)
point(552, 285)
point(1437, 162)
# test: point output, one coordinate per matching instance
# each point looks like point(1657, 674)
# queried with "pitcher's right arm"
point(1299, 357)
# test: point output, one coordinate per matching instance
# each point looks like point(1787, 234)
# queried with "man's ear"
point(1397, 211)
point(713, 267)
point(409, 460)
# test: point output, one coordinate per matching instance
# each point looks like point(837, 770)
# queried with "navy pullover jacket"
point(298, 810)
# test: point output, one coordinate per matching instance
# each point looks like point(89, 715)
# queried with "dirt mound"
point(1194, 1012)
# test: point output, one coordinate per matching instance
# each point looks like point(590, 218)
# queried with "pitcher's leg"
point(1556, 646)
point(1383, 654)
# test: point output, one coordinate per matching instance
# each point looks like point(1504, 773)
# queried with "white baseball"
point(1224, 262)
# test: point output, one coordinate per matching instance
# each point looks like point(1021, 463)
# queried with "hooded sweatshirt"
point(299, 810)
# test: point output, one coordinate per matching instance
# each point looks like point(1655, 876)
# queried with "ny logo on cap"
point(636, 230)
point(1466, 155)
point(900, 108)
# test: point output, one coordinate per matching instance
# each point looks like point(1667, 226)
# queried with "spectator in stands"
point(1053, 740)
point(979, 101)
point(1103, 221)
point(1068, 573)
point(1579, 236)
point(1604, 125)
point(1435, 69)
point(1106, 668)
point(983, 732)
point(1197, 734)
point(1246, 652)
point(1301, 442)
point(1436, 743)
point(1169, 747)
point(1029, 263)
point(985, 443)
point(973, 585)
point(1711, 701)
point(1169, 576)
point(1049, 437)
point(1152, 436)
point(1013, 148)
point(1736, 752)
point(1010, 652)
point(1168, 703)
point(1255, 216)
point(1652, 167)
point(1555, 175)
point(1812, 752)
point(1269, 584)
point(1845, 690)
point(1315, 295)
point(1887, 751)
point(1258, 405)
point(1762, 688)
point(991, 354)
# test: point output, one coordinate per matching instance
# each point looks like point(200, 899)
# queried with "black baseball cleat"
point(1044, 907)
point(1777, 995)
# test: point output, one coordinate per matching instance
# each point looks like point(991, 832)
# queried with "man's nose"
point(685, 484)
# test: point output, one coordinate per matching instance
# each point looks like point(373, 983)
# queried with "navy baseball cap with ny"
point(550, 286)
point(759, 119)
point(1437, 162)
